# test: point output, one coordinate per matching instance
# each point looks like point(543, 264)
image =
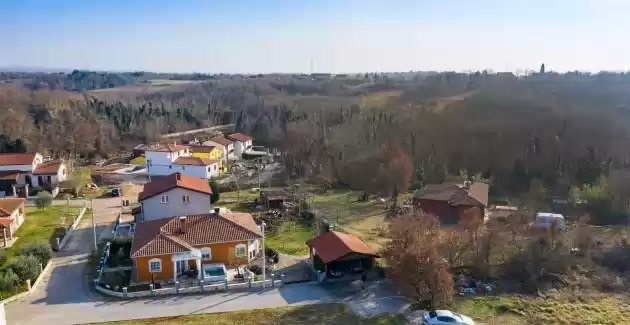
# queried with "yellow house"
point(138, 160)
point(208, 152)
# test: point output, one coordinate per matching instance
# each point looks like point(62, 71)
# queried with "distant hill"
point(32, 69)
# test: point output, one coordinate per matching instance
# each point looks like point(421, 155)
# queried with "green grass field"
point(514, 310)
point(39, 225)
point(325, 314)
point(290, 238)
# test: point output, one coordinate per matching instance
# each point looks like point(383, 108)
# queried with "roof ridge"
point(177, 240)
point(238, 225)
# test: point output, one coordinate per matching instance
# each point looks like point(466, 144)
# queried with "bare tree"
point(418, 268)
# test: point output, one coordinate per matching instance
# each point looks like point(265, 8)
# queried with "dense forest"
point(562, 130)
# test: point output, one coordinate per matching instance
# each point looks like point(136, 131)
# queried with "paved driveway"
point(97, 309)
point(65, 283)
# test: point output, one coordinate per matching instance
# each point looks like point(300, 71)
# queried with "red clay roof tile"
point(194, 161)
point(161, 184)
point(173, 235)
point(17, 158)
point(334, 245)
point(7, 206)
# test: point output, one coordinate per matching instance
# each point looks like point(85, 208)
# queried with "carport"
point(339, 252)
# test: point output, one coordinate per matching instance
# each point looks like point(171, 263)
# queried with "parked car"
point(446, 317)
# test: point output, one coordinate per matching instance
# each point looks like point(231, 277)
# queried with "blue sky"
point(247, 36)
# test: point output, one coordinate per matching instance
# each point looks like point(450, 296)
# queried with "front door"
point(181, 267)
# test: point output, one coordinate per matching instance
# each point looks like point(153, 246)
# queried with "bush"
point(3, 256)
point(256, 269)
point(215, 191)
point(8, 281)
point(25, 266)
point(272, 255)
point(44, 199)
point(42, 251)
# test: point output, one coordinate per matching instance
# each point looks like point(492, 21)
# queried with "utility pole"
point(264, 258)
point(93, 224)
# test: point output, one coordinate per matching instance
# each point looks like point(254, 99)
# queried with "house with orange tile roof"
point(174, 195)
point(242, 143)
point(335, 251)
point(21, 171)
point(12, 214)
point(167, 249)
point(225, 145)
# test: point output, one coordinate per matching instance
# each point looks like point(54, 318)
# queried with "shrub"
point(3, 256)
point(25, 266)
point(42, 251)
point(272, 254)
point(256, 269)
point(215, 191)
point(44, 199)
point(8, 281)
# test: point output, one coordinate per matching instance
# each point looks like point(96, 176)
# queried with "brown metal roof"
point(455, 194)
point(48, 168)
point(17, 158)
point(334, 245)
point(7, 206)
point(239, 137)
point(161, 184)
point(221, 140)
point(202, 149)
point(167, 148)
point(194, 161)
point(9, 175)
point(173, 235)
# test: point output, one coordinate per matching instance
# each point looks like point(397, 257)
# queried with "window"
point(206, 253)
point(186, 199)
point(209, 168)
point(170, 166)
point(155, 265)
point(164, 199)
point(214, 167)
point(445, 319)
point(241, 250)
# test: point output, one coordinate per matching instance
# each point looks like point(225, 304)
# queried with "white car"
point(446, 317)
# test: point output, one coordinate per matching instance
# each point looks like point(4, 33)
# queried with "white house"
point(226, 145)
point(11, 218)
point(29, 170)
point(242, 143)
point(174, 195)
point(159, 158)
point(196, 167)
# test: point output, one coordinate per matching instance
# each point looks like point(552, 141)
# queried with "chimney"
point(216, 211)
point(178, 176)
point(182, 221)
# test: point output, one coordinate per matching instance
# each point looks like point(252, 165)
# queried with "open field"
point(167, 82)
point(325, 314)
point(290, 238)
point(514, 310)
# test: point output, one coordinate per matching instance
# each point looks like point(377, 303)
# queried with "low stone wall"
point(45, 270)
point(74, 225)
point(210, 288)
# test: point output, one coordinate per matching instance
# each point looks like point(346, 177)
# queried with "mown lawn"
point(343, 206)
point(514, 310)
point(290, 238)
point(325, 314)
point(39, 225)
